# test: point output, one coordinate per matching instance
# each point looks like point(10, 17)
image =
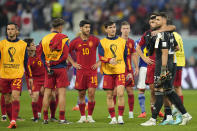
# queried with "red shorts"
point(177, 79)
point(130, 82)
point(8, 85)
point(112, 81)
point(150, 74)
point(59, 79)
point(85, 81)
point(38, 83)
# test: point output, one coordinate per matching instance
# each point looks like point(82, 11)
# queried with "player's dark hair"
point(163, 14)
point(124, 23)
point(28, 41)
point(84, 22)
point(153, 15)
point(11, 23)
point(108, 23)
point(57, 22)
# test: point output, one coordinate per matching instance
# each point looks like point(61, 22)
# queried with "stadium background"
point(34, 16)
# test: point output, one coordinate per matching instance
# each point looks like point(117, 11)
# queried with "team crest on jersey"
point(104, 83)
point(90, 44)
point(130, 45)
point(11, 52)
point(79, 45)
point(76, 84)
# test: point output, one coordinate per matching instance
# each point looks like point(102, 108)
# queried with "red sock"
point(3, 107)
point(111, 112)
point(45, 113)
point(120, 110)
point(131, 102)
point(181, 99)
point(114, 98)
point(91, 107)
point(82, 109)
point(15, 109)
point(40, 99)
point(9, 110)
point(62, 115)
point(53, 108)
point(35, 109)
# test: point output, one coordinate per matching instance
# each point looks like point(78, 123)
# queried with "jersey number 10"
point(86, 51)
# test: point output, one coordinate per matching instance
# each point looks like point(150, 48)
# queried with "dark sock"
point(175, 99)
point(158, 104)
point(167, 111)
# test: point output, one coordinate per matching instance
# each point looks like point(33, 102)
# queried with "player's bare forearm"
point(139, 51)
point(164, 57)
point(168, 28)
point(135, 59)
point(70, 59)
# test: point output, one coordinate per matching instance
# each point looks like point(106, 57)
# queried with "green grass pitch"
point(100, 115)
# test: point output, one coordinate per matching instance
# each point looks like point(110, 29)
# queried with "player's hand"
point(149, 61)
point(31, 82)
point(113, 61)
point(95, 66)
point(77, 66)
point(30, 92)
point(129, 76)
point(136, 71)
point(154, 33)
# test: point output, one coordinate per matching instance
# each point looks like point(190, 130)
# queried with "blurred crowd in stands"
point(33, 15)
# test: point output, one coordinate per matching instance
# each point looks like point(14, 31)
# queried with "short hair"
point(16, 26)
point(108, 23)
point(153, 15)
point(163, 14)
point(84, 22)
point(125, 23)
point(28, 41)
point(57, 22)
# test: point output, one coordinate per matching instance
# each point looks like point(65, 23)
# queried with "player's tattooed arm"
point(164, 29)
point(145, 59)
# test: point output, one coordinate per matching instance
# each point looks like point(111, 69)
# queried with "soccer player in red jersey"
point(36, 74)
point(85, 47)
point(53, 50)
point(131, 56)
point(12, 64)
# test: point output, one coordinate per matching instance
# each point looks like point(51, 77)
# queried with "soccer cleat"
point(109, 117)
point(35, 120)
point(64, 122)
point(76, 108)
point(12, 125)
point(174, 111)
point(120, 120)
point(169, 121)
point(131, 114)
point(82, 119)
point(113, 121)
point(178, 119)
point(45, 122)
point(53, 119)
point(185, 119)
point(142, 115)
point(161, 114)
point(150, 122)
point(4, 118)
point(90, 119)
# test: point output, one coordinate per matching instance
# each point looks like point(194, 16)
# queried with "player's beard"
point(156, 28)
point(86, 34)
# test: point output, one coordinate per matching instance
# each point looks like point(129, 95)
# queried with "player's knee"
point(15, 97)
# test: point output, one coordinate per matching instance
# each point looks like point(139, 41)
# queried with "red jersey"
point(143, 43)
point(35, 68)
point(130, 49)
point(85, 52)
